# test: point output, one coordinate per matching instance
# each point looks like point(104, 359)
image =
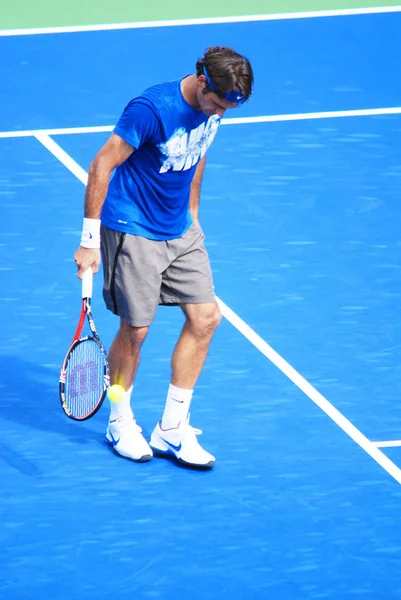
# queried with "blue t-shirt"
point(149, 193)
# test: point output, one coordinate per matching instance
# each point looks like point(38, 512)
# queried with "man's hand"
point(85, 258)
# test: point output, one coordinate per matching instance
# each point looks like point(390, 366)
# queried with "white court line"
point(63, 157)
point(333, 114)
point(387, 444)
point(363, 112)
point(261, 345)
point(58, 131)
point(204, 21)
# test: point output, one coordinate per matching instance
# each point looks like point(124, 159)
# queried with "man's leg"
point(132, 280)
point(123, 433)
point(193, 345)
point(173, 435)
point(188, 359)
point(124, 354)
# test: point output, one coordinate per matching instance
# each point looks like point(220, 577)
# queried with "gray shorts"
point(140, 274)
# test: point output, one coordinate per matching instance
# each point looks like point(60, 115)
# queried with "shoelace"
point(191, 431)
point(127, 423)
point(195, 430)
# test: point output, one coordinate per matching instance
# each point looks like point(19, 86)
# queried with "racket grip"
point(87, 283)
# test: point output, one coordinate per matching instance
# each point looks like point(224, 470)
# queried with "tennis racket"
point(84, 376)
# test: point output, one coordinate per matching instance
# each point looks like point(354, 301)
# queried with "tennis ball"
point(115, 393)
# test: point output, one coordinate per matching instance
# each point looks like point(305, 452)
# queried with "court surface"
point(300, 397)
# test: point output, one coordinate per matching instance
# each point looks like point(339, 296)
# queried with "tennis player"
point(145, 223)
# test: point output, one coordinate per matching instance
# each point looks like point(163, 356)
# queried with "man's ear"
point(201, 81)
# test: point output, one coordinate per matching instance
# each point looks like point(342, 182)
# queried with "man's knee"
point(134, 335)
point(205, 319)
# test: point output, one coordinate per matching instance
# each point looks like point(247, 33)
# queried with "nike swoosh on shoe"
point(176, 448)
point(115, 442)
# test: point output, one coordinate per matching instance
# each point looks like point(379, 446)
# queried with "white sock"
point(122, 408)
point(177, 407)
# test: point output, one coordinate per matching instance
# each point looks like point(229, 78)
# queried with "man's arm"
point(196, 188)
point(114, 153)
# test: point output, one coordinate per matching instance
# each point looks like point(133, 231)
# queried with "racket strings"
point(84, 383)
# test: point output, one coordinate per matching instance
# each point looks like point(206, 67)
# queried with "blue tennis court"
point(301, 214)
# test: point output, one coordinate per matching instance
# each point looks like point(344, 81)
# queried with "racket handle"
point(87, 283)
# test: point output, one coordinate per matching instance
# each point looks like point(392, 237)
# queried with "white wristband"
point(90, 236)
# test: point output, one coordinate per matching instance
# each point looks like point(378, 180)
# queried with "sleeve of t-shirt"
point(138, 124)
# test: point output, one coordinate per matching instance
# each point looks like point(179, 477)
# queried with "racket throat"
point(80, 322)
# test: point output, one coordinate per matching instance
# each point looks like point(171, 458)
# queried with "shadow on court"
point(15, 460)
point(32, 400)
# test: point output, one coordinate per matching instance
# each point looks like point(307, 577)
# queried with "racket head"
point(84, 379)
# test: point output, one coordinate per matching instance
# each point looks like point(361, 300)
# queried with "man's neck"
point(189, 89)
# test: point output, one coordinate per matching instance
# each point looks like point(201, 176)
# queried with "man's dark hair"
point(227, 70)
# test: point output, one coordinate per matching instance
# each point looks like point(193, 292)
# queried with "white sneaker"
point(125, 435)
point(182, 443)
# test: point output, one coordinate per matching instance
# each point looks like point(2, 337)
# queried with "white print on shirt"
point(183, 151)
